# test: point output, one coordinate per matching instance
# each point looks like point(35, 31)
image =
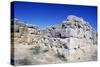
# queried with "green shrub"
point(61, 56)
point(35, 50)
point(24, 61)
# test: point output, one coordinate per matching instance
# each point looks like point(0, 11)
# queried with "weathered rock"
point(72, 41)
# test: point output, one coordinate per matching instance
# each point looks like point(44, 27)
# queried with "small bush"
point(61, 56)
point(45, 50)
point(35, 50)
point(24, 61)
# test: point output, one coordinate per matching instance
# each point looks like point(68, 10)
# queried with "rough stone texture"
point(72, 41)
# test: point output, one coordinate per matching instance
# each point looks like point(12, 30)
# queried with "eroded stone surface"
point(72, 41)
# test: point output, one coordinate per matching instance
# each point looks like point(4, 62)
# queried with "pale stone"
point(72, 41)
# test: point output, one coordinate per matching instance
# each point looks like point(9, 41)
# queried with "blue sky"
point(49, 14)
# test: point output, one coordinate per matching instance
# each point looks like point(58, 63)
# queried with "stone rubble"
point(72, 41)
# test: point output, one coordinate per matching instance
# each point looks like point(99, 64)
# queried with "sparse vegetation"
point(25, 61)
point(61, 56)
point(45, 50)
point(35, 50)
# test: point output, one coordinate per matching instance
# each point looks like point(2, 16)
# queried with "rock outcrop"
point(74, 40)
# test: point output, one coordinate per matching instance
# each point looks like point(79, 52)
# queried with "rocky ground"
point(74, 40)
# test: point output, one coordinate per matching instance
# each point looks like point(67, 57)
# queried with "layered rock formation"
point(74, 40)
